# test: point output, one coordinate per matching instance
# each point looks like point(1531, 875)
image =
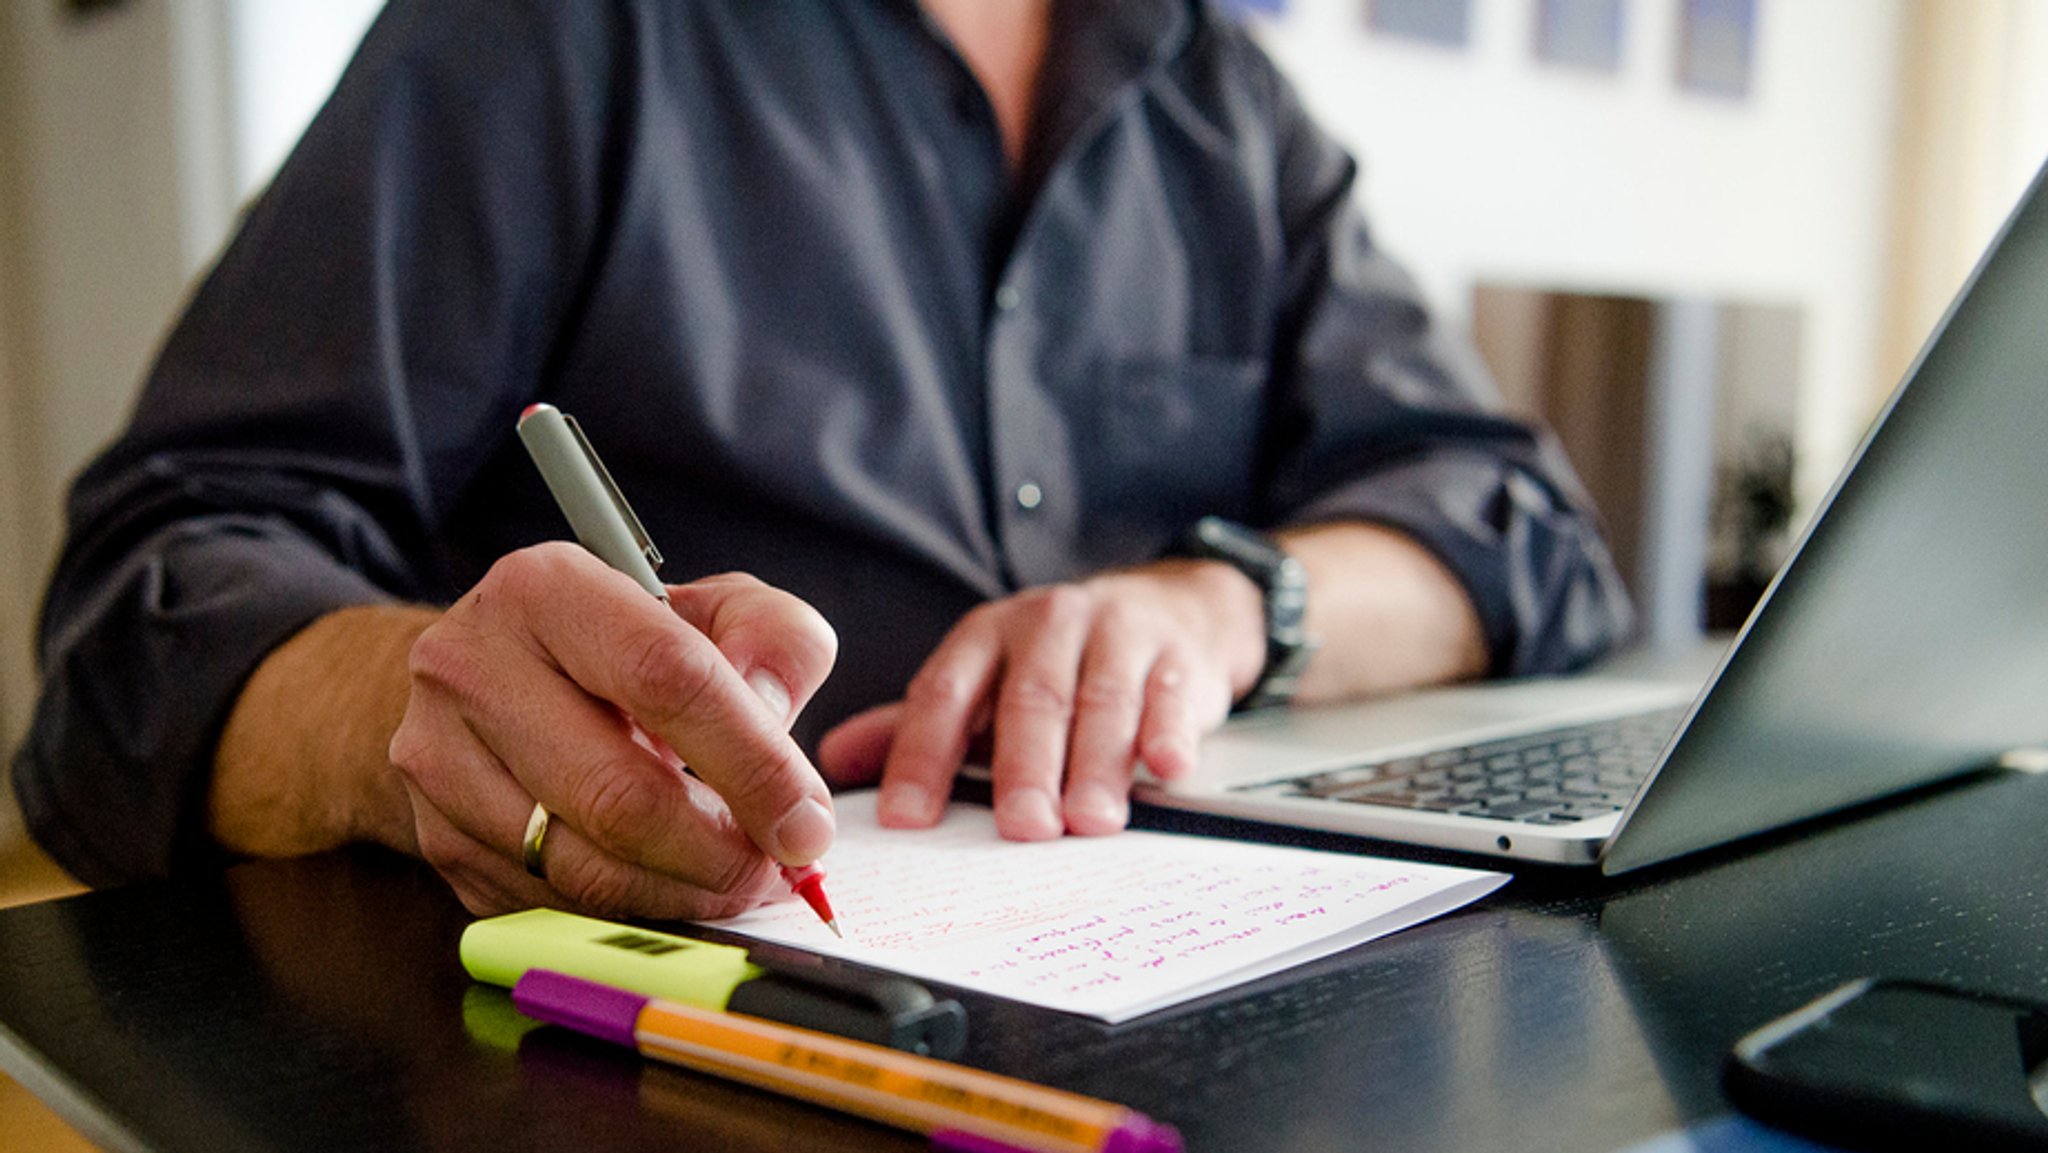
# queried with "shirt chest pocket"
point(1176, 439)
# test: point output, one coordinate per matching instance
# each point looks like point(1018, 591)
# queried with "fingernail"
point(1029, 814)
point(805, 833)
point(768, 687)
point(1098, 809)
point(906, 805)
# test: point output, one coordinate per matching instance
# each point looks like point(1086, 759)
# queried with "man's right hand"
point(560, 682)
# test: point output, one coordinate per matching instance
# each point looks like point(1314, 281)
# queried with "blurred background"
point(1704, 238)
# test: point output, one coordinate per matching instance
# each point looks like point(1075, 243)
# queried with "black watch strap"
point(1283, 583)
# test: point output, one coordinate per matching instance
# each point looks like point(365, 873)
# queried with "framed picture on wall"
point(1447, 23)
point(1582, 34)
point(1717, 46)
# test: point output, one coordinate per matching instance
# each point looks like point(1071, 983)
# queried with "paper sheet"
point(1109, 927)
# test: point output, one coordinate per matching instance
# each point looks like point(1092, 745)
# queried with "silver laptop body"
point(1904, 641)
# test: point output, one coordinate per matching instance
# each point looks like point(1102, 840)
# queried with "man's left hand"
point(1071, 686)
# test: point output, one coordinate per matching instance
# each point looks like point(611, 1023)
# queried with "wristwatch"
point(1284, 584)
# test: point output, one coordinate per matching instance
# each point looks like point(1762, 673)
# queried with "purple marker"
point(961, 1109)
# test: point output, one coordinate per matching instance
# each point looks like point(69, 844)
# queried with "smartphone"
point(1881, 1064)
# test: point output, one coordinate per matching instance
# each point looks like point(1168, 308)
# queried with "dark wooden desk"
point(318, 1005)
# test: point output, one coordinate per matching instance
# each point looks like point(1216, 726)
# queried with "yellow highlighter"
point(885, 1010)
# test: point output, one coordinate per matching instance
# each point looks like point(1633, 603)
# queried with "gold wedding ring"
point(536, 837)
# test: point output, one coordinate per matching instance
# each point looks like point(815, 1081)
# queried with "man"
point(950, 319)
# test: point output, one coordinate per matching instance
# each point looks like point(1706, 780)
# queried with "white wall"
point(2023, 115)
point(93, 251)
point(1484, 164)
point(128, 140)
point(286, 55)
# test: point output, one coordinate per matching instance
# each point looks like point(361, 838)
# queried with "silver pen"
point(598, 513)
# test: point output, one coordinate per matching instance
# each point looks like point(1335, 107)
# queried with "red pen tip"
point(809, 883)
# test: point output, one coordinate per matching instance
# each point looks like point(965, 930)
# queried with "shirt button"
point(1029, 495)
point(1008, 298)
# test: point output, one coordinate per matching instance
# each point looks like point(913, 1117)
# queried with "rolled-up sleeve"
point(145, 648)
point(1380, 415)
point(393, 294)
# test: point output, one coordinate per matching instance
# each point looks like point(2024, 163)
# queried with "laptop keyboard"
point(1553, 777)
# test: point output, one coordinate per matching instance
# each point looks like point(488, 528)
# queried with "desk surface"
point(318, 1004)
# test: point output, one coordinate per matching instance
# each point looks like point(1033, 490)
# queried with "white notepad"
point(1108, 927)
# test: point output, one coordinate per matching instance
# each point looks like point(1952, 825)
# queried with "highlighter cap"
point(599, 1010)
point(1137, 1134)
point(1141, 1134)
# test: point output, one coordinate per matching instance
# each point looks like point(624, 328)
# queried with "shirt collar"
point(1098, 49)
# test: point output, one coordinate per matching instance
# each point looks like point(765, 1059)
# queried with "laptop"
point(1905, 641)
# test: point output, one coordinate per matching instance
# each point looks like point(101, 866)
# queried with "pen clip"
point(611, 489)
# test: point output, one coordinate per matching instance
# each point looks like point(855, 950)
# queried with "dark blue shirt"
point(772, 257)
